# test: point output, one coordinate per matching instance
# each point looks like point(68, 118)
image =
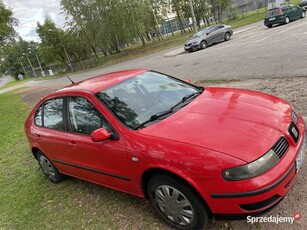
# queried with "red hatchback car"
point(192, 151)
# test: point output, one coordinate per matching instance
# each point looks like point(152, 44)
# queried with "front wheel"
point(48, 168)
point(227, 36)
point(203, 44)
point(269, 26)
point(176, 203)
point(303, 14)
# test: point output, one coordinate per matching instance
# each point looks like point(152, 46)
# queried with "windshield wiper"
point(154, 117)
point(163, 113)
point(185, 98)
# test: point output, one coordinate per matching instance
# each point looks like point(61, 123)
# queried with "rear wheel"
point(176, 203)
point(203, 44)
point(227, 36)
point(287, 20)
point(48, 168)
point(303, 14)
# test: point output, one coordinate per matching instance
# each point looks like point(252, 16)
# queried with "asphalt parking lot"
point(254, 51)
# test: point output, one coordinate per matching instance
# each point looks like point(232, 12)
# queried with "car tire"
point(287, 20)
point(48, 168)
point(167, 194)
point(227, 37)
point(269, 26)
point(303, 14)
point(203, 44)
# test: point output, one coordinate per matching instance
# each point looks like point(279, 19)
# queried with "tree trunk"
point(180, 20)
point(95, 53)
point(142, 39)
point(170, 25)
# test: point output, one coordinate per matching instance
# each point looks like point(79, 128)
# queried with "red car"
point(192, 151)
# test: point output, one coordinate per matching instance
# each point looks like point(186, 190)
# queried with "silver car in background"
point(208, 36)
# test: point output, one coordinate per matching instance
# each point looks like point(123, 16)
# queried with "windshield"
point(200, 33)
point(143, 96)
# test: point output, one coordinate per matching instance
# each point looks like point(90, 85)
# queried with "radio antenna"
point(70, 80)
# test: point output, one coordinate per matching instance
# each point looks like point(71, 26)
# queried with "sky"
point(29, 12)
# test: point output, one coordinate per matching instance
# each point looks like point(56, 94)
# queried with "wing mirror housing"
point(100, 135)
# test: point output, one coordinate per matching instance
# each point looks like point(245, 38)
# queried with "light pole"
point(30, 64)
point(39, 63)
point(193, 16)
point(40, 66)
point(24, 70)
point(65, 52)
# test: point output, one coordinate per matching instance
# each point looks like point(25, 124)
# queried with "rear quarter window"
point(50, 114)
point(272, 12)
point(53, 114)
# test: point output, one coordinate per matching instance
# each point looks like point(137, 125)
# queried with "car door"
point(293, 12)
point(220, 33)
point(212, 35)
point(296, 12)
point(49, 130)
point(104, 162)
point(286, 11)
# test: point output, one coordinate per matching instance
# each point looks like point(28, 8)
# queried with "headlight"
point(195, 42)
point(294, 116)
point(253, 169)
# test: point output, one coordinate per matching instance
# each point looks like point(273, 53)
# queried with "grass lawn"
point(29, 201)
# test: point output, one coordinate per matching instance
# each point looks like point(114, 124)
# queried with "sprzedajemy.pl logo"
point(273, 219)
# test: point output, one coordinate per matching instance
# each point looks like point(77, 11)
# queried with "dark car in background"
point(283, 15)
point(303, 4)
point(208, 36)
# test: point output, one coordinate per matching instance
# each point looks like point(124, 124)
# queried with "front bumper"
point(269, 188)
point(192, 47)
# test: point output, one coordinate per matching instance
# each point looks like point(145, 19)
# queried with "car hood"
point(196, 39)
point(241, 123)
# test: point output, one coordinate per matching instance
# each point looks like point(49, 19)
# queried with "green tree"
point(52, 42)
point(16, 57)
point(218, 8)
point(7, 23)
point(110, 25)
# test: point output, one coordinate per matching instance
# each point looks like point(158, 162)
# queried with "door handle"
point(73, 144)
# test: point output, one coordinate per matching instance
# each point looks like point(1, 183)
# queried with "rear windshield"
point(272, 12)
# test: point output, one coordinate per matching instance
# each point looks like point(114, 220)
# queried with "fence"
point(57, 69)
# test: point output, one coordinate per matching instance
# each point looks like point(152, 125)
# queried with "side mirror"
point(100, 135)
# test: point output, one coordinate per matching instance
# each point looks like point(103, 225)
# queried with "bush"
point(232, 14)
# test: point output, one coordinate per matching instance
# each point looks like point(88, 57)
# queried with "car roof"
point(274, 8)
point(101, 82)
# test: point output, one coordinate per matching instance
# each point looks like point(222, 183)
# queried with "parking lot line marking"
point(240, 31)
point(290, 28)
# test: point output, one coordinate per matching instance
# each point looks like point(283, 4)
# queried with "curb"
point(12, 88)
point(175, 52)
